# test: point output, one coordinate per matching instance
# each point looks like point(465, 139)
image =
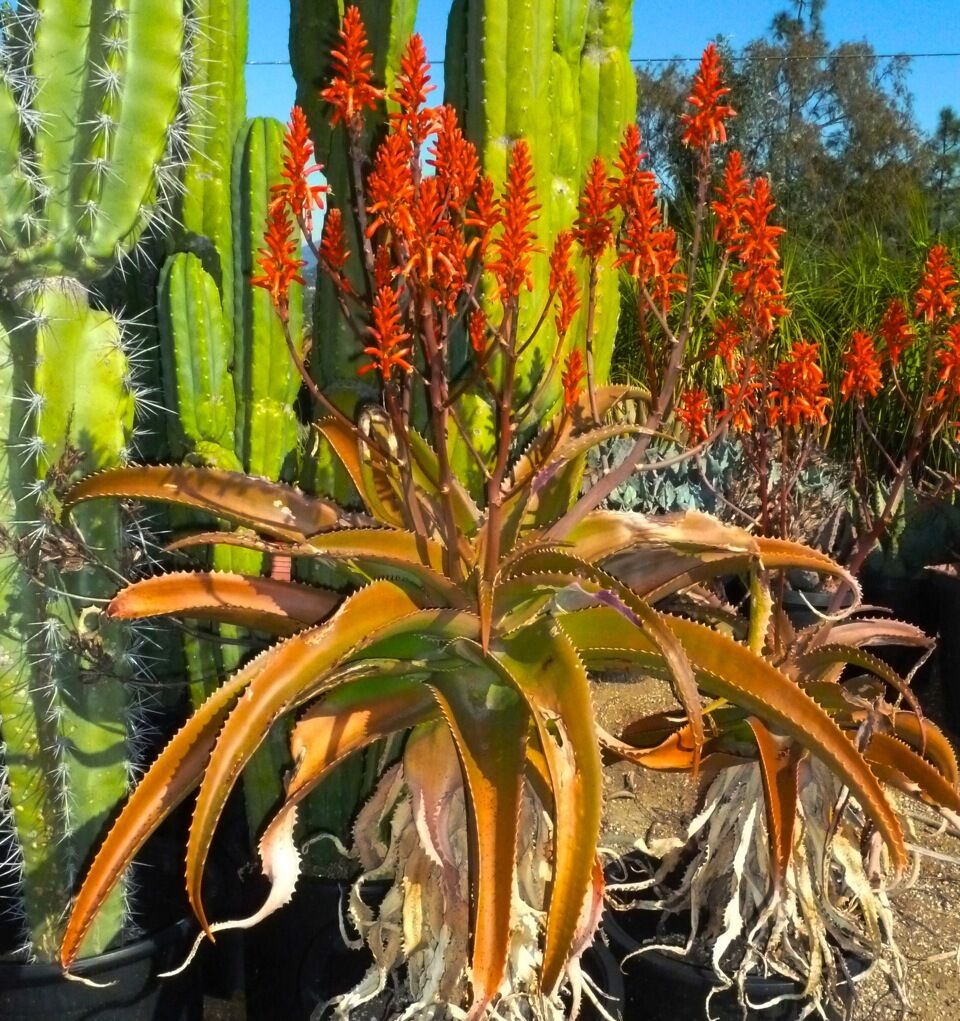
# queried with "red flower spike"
point(484, 216)
point(573, 376)
point(383, 269)
point(478, 331)
point(279, 259)
point(742, 403)
point(516, 245)
point(937, 294)
point(727, 339)
point(390, 187)
point(948, 362)
point(649, 248)
point(628, 186)
point(390, 349)
point(861, 363)
point(333, 243)
point(705, 125)
point(731, 198)
point(760, 281)
point(454, 160)
point(692, 411)
point(563, 283)
point(296, 190)
point(798, 394)
point(410, 93)
point(896, 331)
point(351, 91)
point(594, 227)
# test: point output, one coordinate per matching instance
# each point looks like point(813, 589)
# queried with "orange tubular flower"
point(478, 331)
point(390, 349)
point(390, 187)
point(861, 362)
point(484, 215)
point(516, 245)
point(896, 331)
point(411, 91)
point(726, 342)
point(594, 228)
point(333, 243)
point(279, 260)
point(937, 294)
point(798, 394)
point(563, 282)
point(948, 360)
point(296, 191)
point(648, 248)
point(742, 403)
point(454, 160)
point(731, 198)
point(351, 90)
point(760, 281)
point(628, 186)
point(692, 411)
point(704, 126)
point(573, 376)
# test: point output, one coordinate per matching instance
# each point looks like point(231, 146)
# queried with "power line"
point(696, 60)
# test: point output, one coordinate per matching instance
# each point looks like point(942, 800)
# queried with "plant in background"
point(780, 872)
point(467, 620)
point(95, 119)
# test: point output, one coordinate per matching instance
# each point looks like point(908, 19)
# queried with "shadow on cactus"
point(470, 614)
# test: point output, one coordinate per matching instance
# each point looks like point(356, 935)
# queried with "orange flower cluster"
point(516, 244)
point(410, 93)
point(759, 281)
point(351, 91)
point(731, 198)
point(648, 248)
point(862, 377)
point(692, 411)
point(390, 187)
point(948, 362)
point(455, 161)
point(798, 395)
point(298, 167)
point(743, 403)
point(936, 296)
point(478, 331)
point(726, 342)
point(333, 242)
point(594, 226)
point(573, 376)
point(563, 283)
point(896, 331)
point(390, 349)
point(705, 125)
point(279, 259)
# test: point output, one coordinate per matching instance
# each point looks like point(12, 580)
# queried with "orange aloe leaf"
point(901, 766)
point(426, 473)
point(262, 604)
point(779, 763)
point(936, 746)
point(544, 667)
point(382, 621)
point(866, 631)
point(269, 507)
point(726, 669)
point(171, 777)
point(489, 723)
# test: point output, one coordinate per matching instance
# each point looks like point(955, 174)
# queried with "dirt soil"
point(656, 804)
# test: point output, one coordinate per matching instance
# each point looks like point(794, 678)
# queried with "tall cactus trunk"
point(64, 704)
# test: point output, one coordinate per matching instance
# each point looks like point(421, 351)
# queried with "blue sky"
point(683, 28)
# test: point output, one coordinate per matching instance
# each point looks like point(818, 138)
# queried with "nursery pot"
point(946, 584)
point(296, 959)
point(132, 990)
point(661, 986)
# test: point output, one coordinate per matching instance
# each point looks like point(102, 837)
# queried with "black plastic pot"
point(946, 585)
point(296, 958)
point(38, 992)
point(604, 969)
point(661, 986)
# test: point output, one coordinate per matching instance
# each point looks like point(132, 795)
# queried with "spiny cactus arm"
point(489, 722)
point(151, 82)
point(15, 191)
point(544, 667)
point(171, 777)
point(271, 508)
point(198, 349)
point(727, 669)
point(262, 604)
point(266, 380)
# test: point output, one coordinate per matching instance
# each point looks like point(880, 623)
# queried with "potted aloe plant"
point(472, 622)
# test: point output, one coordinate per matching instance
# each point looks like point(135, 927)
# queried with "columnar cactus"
point(87, 161)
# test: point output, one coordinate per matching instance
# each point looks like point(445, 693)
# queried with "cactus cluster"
point(90, 157)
